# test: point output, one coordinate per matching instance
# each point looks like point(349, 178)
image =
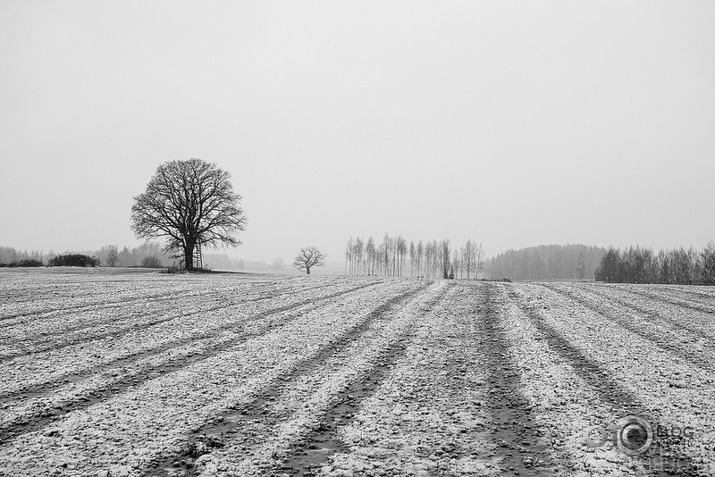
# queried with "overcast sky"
point(513, 123)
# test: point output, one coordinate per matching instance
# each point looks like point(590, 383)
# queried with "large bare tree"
point(191, 203)
point(308, 258)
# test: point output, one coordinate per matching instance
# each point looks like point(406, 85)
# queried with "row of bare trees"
point(394, 257)
point(641, 265)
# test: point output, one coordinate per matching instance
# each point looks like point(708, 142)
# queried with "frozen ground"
point(131, 374)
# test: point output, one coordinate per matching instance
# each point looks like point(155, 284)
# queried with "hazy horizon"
point(514, 124)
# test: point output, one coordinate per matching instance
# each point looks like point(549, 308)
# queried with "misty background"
point(512, 123)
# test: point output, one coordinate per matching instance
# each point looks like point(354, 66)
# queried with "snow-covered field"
point(119, 373)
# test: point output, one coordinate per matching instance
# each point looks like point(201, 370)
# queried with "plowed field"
point(148, 374)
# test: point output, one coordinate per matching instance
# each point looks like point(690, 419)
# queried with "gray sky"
point(514, 123)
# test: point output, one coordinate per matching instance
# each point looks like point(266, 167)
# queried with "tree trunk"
point(189, 256)
point(307, 270)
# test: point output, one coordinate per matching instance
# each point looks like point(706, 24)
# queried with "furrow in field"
point(430, 413)
point(662, 333)
point(630, 375)
point(100, 302)
point(697, 322)
point(702, 295)
point(568, 394)
point(514, 431)
point(683, 302)
point(57, 323)
point(126, 433)
point(14, 289)
point(421, 413)
point(59, 334)
point(73, 363)
point(589, 370)
point(90, 293)
point(321, 441)
point(43, 295)
point(125, 324)
point(699, 294)
point(345, 347)
point(44, 404)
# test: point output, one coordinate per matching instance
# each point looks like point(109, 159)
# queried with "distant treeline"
point(546, 262)
point(149, 255)
point(25, 262)
point(9, 257)
point(395, 257)
point(145, 255)
point(641, 265)
point(215, 261)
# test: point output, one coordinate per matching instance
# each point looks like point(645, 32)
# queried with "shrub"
point(173, 269)
point(151, 261)
point(74, 260)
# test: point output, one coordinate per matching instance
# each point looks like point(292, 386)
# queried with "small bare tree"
point(309, 257)
point(420, 253)
point(112, 255)
point(357, 256)
point(109, 255)
point(349, 257)
point(401, 252)
point(445, 255)
point(370, 252)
